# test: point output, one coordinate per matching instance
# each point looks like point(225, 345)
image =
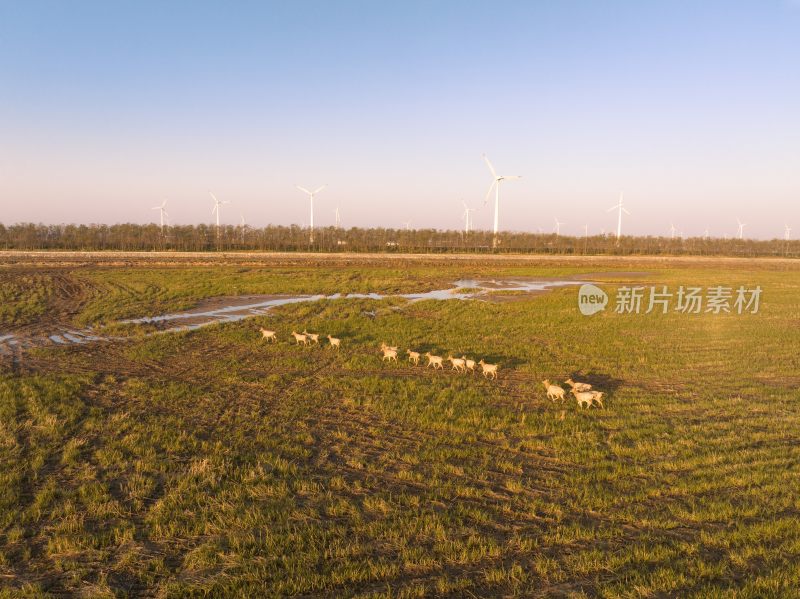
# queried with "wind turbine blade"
point(511, 177)
point(625, 210)
point(156, 208)
point(318, 189)
point(215, 197)
point(613, 208)
point(214, 209)
point(303, 189)
point(488, 193)
point(491, 168)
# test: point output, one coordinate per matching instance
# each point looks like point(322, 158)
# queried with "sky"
point(689, 107)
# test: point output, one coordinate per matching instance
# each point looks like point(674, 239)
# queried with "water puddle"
point(233, 309)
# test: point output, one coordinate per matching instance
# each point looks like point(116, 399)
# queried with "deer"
point(270, 336)
point(470, 364)
point(554, 392)
point(435, 361)
point(459, 364)
point(587, 398)
point(578, 386)
point(313, 336)
point(488, 369)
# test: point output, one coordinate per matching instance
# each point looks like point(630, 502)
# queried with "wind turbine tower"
point(496, 181)
point(467, 217)
point(163, 211)
point(217, 208)
point(740, 231)
point(620, 208)
point(311, 195)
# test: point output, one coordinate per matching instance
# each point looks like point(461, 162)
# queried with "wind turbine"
point(787, 232)
point(740, 231)
point(558, 226)
point(163, 210)
point(311, 195)
point(338, 218)
point(621, 209)
point(242, 226)
point(467, 217)
point(672, 230)
point(407, 225)
point(705, 233)
point(498, 179)
point(217, 208)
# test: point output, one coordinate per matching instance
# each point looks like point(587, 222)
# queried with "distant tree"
point(197, 238)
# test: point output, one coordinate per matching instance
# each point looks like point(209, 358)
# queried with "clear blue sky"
point(691, 107)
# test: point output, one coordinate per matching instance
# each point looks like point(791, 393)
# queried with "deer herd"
point(583, 392)
point(462, 364)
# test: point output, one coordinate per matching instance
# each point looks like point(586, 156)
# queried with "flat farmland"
point(150, 458)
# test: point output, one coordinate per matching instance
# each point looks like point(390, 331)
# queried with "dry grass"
point(210, 463)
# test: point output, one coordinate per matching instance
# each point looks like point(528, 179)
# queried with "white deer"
point(488, 369)
point(300, 338)
point(578, 386)
point(435, 361)
point(586, 398)
point(469, 363)
point(554, 392)
point(459, 364)
point(270, 336)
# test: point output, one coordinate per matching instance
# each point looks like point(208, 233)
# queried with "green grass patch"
point(212, 463)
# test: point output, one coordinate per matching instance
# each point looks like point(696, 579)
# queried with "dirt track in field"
point(73, 258)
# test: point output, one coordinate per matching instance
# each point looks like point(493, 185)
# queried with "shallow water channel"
point(232, 309)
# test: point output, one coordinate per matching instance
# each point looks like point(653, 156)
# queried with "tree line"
point(201, 238)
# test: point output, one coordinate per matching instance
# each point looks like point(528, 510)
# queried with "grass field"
point(208, 463)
